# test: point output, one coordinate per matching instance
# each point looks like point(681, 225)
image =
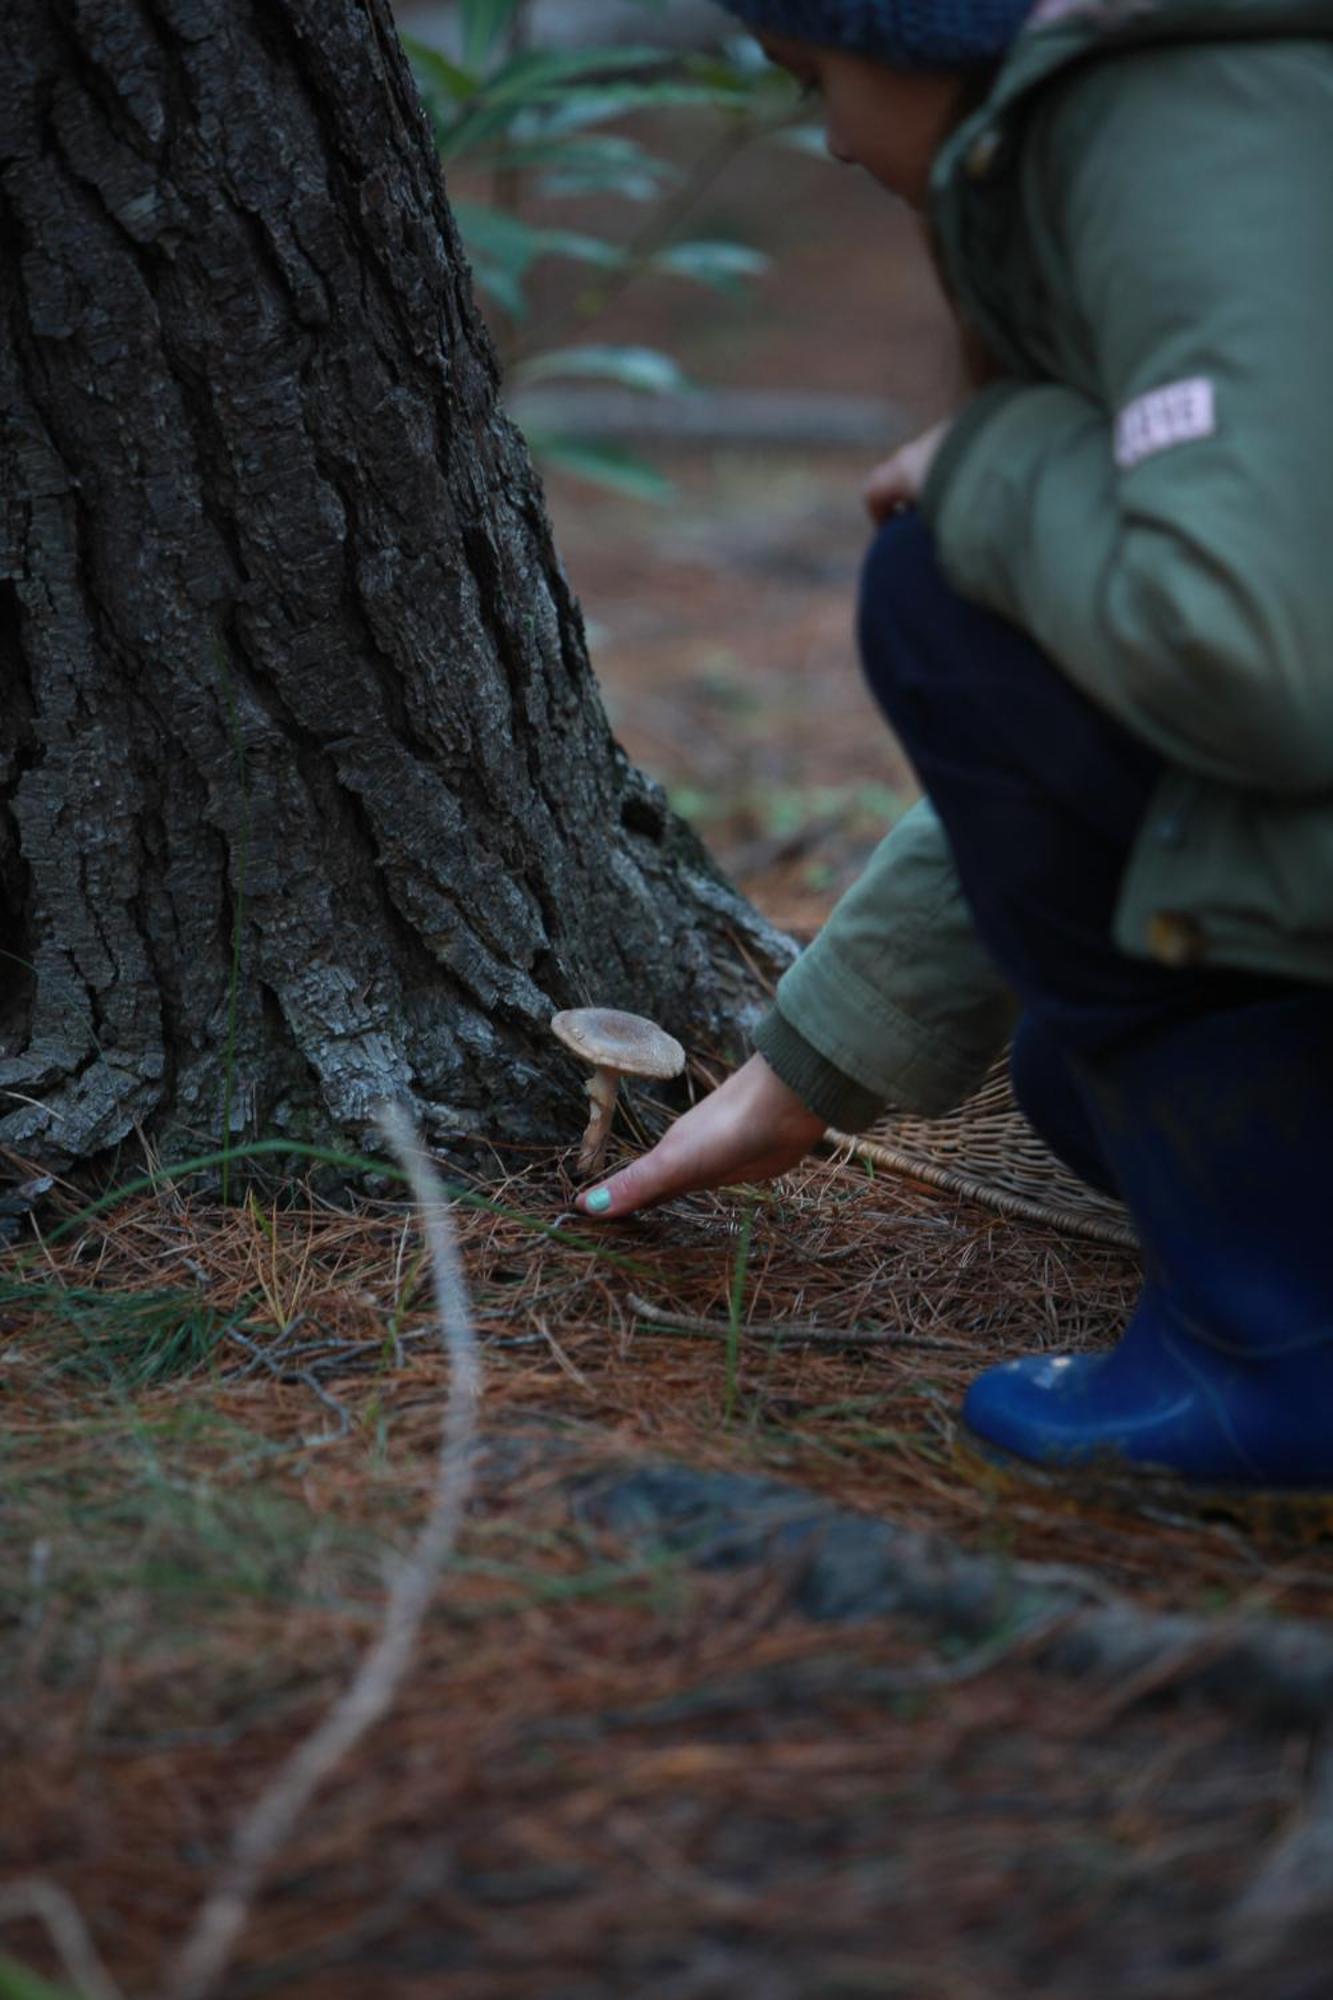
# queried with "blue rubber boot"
point(1218, 1131)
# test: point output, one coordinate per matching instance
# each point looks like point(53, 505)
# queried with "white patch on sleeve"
point(1056, 10)
point(1178, 414)
point(1107, 14)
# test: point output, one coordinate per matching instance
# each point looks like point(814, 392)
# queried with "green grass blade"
point(735, 1306)
point(17, 1983)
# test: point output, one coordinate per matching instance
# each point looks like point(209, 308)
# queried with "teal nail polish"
point(599, 1202)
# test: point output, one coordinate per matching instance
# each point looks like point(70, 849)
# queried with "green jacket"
point(1139, 221)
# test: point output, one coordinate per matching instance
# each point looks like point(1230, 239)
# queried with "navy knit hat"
point(905, 34)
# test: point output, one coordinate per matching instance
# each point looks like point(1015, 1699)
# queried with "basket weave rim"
point(1098, 1228)
point(986, 1151)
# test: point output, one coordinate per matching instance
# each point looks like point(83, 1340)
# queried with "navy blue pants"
point(1041, 794)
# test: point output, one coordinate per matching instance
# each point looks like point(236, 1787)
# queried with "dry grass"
point(195, 1527)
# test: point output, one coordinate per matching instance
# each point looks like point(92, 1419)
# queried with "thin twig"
point(44, 1901)
point(208, 1948)
point(1294, 1881)
point(567, 1366)
point(791, 1333)
point(282, 1371)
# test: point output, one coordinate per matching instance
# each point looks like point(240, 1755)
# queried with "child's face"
point(888, 121)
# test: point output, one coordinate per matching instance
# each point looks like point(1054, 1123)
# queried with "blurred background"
point(710, 333)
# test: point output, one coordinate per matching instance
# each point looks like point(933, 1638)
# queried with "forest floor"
point(619, 1766)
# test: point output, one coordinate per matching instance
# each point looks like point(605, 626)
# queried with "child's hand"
point(901, 480)
point(749, 1129)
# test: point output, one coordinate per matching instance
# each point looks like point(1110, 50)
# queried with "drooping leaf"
point(600, 104)
point(592, 163)
point(721, 265)
point(537, 77)
point(741, 64)
point(502, 249)
point(516, 245)
point(484, 24)
point(438, 77)
point(476, 128)
point(642, 368)
point(805, 139)
point(603, 464)
point(17, 1983)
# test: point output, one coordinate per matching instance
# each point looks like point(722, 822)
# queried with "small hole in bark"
point(546, 972)
point(642, 813)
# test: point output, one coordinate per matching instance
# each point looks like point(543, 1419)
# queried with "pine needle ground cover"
point(612, 1769)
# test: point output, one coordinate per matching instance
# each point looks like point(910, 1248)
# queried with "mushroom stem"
point(602, 1087)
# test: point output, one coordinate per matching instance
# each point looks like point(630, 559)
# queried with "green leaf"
point(17, 1983)
point(599, 104)
point(633, 367)
point(579, 248)
point(491, 235)
point(502, 287)
point(471, 131)
point(749, 62)
point(438, 77)
point(722, 265)
point(604, 465)
point(485, 23)
point(592, 163)
point(717, 73)
point(569, 186)
point(502, 249)
point(536, 77)
point(804, 139)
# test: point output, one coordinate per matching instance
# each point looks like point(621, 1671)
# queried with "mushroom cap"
point(624, 1042)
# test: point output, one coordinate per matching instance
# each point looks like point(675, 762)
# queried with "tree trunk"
point(306, 795)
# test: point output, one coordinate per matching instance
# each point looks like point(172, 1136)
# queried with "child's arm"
point(1168, 540)
point(896, 1002)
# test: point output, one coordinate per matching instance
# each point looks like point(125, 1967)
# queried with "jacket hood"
point(1057, 32)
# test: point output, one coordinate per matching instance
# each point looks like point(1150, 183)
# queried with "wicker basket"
point(987, 1150)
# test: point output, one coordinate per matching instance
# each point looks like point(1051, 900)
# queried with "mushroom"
point(616, 1045)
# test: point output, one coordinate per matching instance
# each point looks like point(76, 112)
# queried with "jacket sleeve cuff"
point(821, 1086)
point(861, 1039)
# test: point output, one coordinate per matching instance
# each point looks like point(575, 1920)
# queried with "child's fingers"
point(900, 481)
point(750, 1128)
point(645, 1180)
point(886, 491)
point(651, 1180)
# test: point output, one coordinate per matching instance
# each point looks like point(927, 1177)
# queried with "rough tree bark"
point(306, 794)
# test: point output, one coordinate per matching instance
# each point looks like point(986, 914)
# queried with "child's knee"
point(900, 558)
